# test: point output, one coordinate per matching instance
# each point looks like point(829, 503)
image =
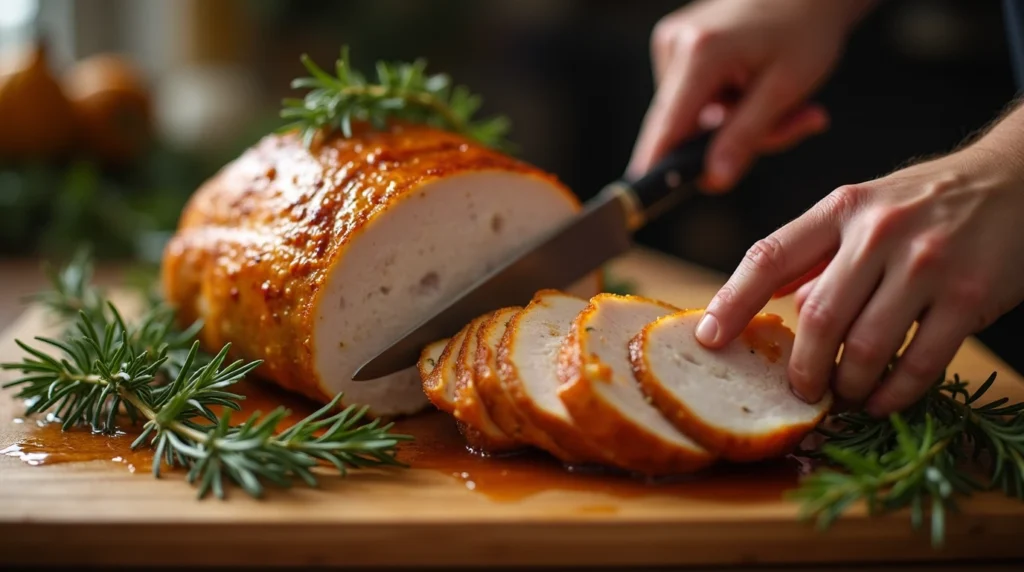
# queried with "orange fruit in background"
point(36, 119)
point(113, 107)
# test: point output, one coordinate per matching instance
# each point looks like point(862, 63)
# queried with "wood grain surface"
point(100, 513)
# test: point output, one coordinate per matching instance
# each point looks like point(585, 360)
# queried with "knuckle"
point(726, 296)
point(816, 315)
point(845, 199)
point(689, 38)
point(968, 292)
point(927, 252)
point(921, 367)
point(662, 36)
point(862, 351)
point(945, 184)
point(766, 256)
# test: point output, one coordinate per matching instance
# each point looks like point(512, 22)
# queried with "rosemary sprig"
point(104, 369)
point(920, 459)
point(401, 91)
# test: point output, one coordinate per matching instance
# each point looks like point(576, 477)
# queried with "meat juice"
point(437, 446)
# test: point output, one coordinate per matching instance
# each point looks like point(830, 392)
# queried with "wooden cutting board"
point(465, 510)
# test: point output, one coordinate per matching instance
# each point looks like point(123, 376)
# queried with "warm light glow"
point(18, 13)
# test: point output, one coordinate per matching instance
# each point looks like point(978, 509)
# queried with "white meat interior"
point(541, 329)
point(413, 257)
point(611, 325)
point(737, 387)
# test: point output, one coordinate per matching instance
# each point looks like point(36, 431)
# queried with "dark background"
point(917, 77)
point(574, 77)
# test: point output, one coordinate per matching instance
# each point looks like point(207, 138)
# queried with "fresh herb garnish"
point(402, 91)
point(919, 459)
point(104, 369)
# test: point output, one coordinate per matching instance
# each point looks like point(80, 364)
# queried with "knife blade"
point(601, 231)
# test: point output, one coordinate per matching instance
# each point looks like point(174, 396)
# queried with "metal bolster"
point(631, 204)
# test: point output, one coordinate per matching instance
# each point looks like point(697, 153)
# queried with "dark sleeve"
point(1014, 17)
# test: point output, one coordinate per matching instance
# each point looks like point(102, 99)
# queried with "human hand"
point(746, 66)
point(938, 243)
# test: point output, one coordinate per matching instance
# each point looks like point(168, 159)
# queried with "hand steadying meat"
point(938, 243)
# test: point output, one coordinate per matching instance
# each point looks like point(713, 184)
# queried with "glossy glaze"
point(438, 447)
point(256, 242)
point(759, 336)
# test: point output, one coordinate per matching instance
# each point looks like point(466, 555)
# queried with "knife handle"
point(672, 179)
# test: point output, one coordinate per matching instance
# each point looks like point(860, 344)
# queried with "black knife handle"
point(673, 177)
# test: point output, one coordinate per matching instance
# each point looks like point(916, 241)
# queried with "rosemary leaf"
point(920, 458)
point(103, 369)
point(401, 91)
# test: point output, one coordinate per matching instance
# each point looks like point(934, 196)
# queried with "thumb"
point(739, 139)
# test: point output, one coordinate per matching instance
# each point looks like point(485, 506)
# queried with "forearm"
point(1004, 138)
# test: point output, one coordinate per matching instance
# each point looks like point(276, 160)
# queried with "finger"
point(769, 264)
point(805, 122)
point(826, 315)
point(800, 283)
point(663, 45)
point(933, 347)
point(689, 84)
point(803, 292)
point(877, 335)
point(733, 149)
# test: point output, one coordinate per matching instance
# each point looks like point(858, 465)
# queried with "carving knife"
point(601, 231)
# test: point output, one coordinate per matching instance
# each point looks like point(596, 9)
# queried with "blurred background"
point(130, 104)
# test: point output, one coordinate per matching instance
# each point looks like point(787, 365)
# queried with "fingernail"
point(707, 330)
point(799, 395)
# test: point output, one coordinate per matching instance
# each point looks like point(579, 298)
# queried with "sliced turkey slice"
point(735, 400)
point(528, 365)
point(493, 393)
point(604, 399)
point(429, 358)
point(481, 432)
point(439, 384)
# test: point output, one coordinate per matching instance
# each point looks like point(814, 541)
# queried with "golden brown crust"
point(435, 386)
point(481, 432)
point(728, 445)
point(631, 447)
point(492, 393)
point(425, 365)
point(570, 444)
point(256, 242)
point(502, 406)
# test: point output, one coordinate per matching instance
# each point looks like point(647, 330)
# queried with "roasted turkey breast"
point(469, 409)
point(528, 367)
point(312, 259)
point(734, 400)
point(603, 398)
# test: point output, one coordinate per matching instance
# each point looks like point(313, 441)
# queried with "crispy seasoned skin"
point(313, 259)
point(528, 366)
point(494, 394)
point(439, 383)
point(603, 398)
point(481, 432)
point(429, 358)
point(734, 400)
